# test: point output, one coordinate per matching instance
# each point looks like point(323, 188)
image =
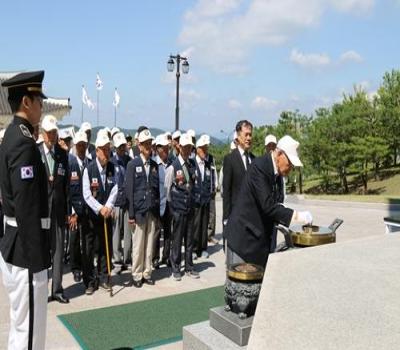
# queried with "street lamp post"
point(185, 69)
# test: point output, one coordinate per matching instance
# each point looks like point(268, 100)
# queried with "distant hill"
point(154, 132)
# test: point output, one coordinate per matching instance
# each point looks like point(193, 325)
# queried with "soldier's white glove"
point(304, 217)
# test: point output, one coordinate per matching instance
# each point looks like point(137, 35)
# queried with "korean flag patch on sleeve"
point(27, 172)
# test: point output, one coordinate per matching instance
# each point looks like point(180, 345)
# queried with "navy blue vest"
point(120, 171)
point(75, 186)
point(202, 188)
point(96, 186)
point(181, 190)
point(146, 191)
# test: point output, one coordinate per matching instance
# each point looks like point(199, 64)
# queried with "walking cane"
point(108, 259)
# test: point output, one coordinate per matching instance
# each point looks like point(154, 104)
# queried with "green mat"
point(143, 324)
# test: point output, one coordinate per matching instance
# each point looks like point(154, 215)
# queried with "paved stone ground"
point(360, 220)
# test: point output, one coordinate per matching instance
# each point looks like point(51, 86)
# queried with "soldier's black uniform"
point(25, 247)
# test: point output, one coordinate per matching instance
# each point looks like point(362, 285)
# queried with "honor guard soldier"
point(79, 220)
point(25, 247)
point(179, 181)
point(100, 192)
point(143, 194)
point(120, 222)
point(55, 160)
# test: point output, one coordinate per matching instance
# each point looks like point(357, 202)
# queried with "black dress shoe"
point(77, 276)
point(149, 281)
point(137, 284)
point(60, 298)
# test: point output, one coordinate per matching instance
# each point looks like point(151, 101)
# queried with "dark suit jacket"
point(251, 222)
point(58, 188)
point(234, 172)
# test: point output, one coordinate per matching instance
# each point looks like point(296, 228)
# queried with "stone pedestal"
point(230, 325)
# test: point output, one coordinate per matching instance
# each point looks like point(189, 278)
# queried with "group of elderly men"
point(114, 192)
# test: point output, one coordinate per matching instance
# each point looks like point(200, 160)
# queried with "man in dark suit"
point(55, 160)
point(252, 220)
point(25, 247)
point(235, 166)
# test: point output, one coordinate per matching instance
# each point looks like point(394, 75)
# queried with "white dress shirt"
point(87, 193)
point(243, 155)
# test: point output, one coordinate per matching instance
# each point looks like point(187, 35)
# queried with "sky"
point(249, 59)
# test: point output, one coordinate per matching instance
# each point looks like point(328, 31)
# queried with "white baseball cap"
point(162, 140)
point(102, 139)
point(176, 134)
point(114, 130)
point(80, 136)
point(233, 145)
point(270, 139)
point(49, 123)
point(185, 140)
point(136, 135)
point(86, 126)
point(191, 133)
point(235, 135)
point(66, 133)
point(119, 139)
point(203, 140)
point(145, 135)
point(167, 133)
point(289, 145)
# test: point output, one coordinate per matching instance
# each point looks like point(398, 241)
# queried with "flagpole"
point(98, 107)
point(82, 106)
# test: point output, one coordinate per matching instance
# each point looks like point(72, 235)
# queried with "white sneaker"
point(204, 254)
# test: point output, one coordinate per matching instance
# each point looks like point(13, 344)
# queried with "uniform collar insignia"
point(25, 131)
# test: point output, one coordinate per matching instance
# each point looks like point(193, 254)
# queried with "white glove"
point(304, 217)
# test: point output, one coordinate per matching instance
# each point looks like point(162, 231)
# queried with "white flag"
point(85, 99)
point(116, 98)
point(99, 83)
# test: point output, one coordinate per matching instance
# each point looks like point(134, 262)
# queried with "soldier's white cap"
point(177, 134)
point(80, 136)
point(289, 145)
point(191, 133)
point(162, 140)
point(185, 140)
point(119, 139)
point(86, 126)
point(270, 139)
point(102, 139)
point(49, 123)
point(145, 135)
point(114, 130)
point(203, 141)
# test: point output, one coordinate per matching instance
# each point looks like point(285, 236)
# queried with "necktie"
point(247, 160)
point(50, 161)
point(185, 171)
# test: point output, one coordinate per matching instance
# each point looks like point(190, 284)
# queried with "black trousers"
point(182, 231)
point(96, 227)
point(57, 236)
point(200, 228)
point(165, 227)
point(212, 218)
point(80, 253)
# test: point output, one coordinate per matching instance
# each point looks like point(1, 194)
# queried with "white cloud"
point(222, 34)
point(234, 104)
point(351, 56)
point(263, 103)
point(311, 60)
